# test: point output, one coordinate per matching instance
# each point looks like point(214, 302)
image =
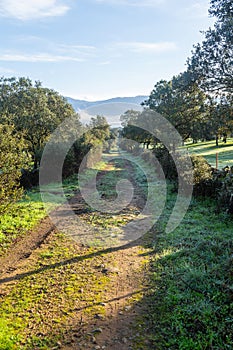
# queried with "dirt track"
point(125, 268)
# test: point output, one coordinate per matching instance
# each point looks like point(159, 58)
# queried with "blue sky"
point(96, 49)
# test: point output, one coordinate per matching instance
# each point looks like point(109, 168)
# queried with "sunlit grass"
point(27, 213)
point(209, 150)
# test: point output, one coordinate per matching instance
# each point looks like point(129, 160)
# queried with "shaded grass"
point(190, 305)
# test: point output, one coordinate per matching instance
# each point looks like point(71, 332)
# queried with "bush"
point(167, 163)
point(201, 169)
point(12, 160)
point(225, 191)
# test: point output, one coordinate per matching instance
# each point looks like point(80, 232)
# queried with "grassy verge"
point(25, 214)
point(190, 306)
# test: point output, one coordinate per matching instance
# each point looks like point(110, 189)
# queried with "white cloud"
point(84, 50)
point(40, 57)
point(47, 45)
point(139, 3)
point(143, 47)
point(196, 10)
point(32, 9)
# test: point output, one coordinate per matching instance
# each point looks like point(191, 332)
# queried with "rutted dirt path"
point(82, 297)
point(23, 247)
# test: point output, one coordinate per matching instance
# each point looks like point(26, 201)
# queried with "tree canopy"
point(34, 111)
point(181, 102)
point(13, 157)
point(211, 63)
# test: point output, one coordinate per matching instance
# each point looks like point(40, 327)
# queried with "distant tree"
point(222, 118)
point(98, 132)
point(132, 132)
point(12, 159)
point(129, 117)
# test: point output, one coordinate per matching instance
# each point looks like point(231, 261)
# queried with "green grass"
point(209, 150)
point(25, 214)
point(37, 310)
point(191, 303)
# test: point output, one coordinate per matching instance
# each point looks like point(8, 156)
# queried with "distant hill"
point(82, 104)
point(112, 109)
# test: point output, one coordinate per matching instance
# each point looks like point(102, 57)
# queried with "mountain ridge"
point(84, 104)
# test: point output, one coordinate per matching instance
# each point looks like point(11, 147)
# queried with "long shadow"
point(77, 259)
point(125, 296)
point(78, 335)
point(69, 261)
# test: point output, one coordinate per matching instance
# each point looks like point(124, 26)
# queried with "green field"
point(209, 150)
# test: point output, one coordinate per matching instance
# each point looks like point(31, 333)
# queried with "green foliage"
point(201, 169)
point(12, 159)
point(181, 102)
point(211, 61)
point(167, 162)
point(8, 339)
point(33, 110)
point(224, 179)
point(89, 147)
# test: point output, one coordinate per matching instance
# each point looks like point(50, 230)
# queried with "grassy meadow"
point(209, 149)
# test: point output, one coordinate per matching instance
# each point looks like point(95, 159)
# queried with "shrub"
point(167, 163)
point(12, 160)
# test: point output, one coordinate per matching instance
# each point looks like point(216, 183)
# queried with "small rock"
point(97, 330)
point(97, 347)
point(110, 270)
point(99, 316)
point(127, 308)
point(124, 340)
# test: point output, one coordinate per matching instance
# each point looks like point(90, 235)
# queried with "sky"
point(98, 49)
